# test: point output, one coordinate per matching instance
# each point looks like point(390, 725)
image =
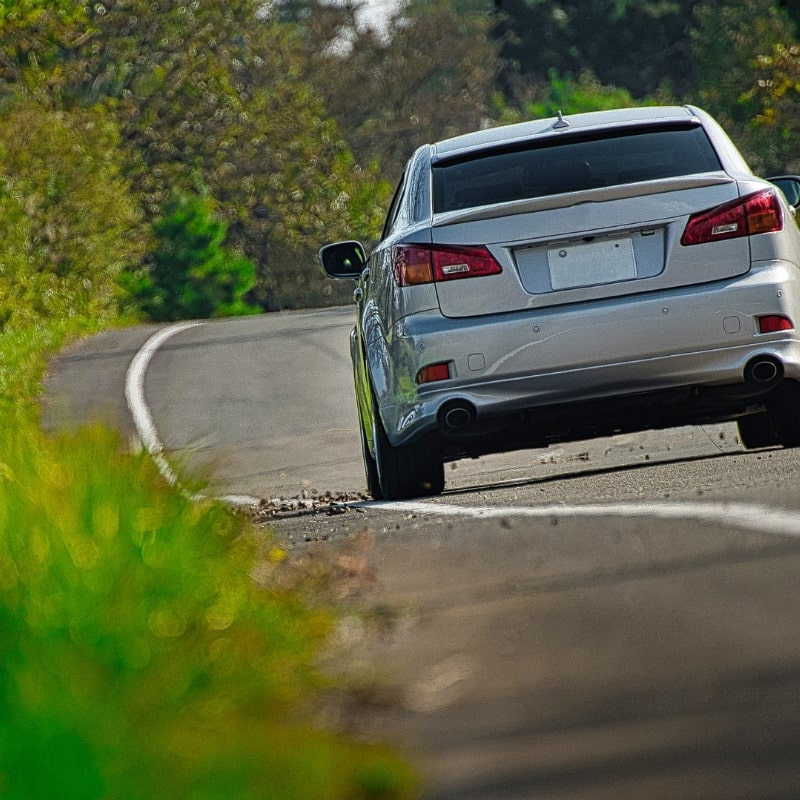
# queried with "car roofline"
point(553, 127)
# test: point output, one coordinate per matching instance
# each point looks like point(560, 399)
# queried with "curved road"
point(608, 619)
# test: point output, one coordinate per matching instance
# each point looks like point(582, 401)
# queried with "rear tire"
point(408, 470)
point(370, 468)
point(784, 410)
point(757, 430)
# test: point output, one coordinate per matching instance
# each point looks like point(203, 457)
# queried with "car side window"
point(394, 207)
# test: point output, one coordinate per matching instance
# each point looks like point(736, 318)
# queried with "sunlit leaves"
point(743, 57)
point(211, 99)
point(35, 35)
point(70, 222)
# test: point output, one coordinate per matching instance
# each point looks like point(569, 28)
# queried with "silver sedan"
point(568, 278)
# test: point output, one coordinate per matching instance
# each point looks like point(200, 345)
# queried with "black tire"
point(408, 470)
point(784, 409)
point(757, 430)
point(370, 469)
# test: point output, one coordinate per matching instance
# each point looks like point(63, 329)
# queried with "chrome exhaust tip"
point(763, 371)
point(456, 415)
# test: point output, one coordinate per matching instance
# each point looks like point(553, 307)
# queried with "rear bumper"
point(607, 353)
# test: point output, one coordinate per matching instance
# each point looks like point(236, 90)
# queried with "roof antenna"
point(560, 122)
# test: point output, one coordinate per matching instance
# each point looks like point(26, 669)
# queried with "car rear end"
point(612, 271)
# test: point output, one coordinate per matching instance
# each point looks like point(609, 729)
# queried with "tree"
point(641, 46)
point(70, 224)
point(192, 276)
point(742, 53)
point(565, 94)
point(211, 100)
point(776, 127)
point(429, 77)
point(35, 36)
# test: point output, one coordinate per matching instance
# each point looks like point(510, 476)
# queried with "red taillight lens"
point(451, 263)
point(434, 372)
point(773, 323)
point(415, 264)
point(756, 213)
point(412, 265)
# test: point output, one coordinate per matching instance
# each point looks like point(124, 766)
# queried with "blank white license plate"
point(591, 264)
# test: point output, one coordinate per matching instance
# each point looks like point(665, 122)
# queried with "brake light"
point(412, 265)
point(759, 212)
point(417, 264)
point(773, 323)
point(434, 372)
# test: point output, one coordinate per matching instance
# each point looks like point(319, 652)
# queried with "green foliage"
point(140, 659)
point(573, 96)
point(774, 131)
point(34, 35)
point(22, 367)
point(739, 50)
point(726, 43)
point(70, 225)
point(193, 276)
point(431, 76)
point(211, 100)
point(641, 46)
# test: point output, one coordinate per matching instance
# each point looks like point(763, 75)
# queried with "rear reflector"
point(416, 264)
point(434, 372)
point(759, 212)
point(774, 323)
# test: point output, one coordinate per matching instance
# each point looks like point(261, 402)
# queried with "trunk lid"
point(589, 245)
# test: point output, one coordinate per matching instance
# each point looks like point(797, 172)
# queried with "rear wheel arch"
point(412, 469)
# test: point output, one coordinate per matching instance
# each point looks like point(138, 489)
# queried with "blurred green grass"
point(138, 657)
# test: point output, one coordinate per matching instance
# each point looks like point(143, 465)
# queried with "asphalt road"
point(607, 619)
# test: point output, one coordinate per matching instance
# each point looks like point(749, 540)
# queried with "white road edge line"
point(143, 419)
point(782, 522)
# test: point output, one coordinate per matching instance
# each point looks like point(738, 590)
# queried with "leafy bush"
point(70, 227)
point(574, 96)
point(139, 657)
point(192, 276)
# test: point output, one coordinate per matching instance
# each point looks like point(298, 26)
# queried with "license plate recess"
point(591, 263)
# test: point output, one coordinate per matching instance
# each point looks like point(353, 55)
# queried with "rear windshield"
point(570, 165)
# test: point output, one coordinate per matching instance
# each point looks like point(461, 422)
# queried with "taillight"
point(412, 265)
point(772, 323)
point(415, 264)
point(759, 212)
point(434, 372)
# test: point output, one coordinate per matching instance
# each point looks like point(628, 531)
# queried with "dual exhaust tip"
point(762, 371)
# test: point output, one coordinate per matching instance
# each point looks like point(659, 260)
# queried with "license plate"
point(591, 263)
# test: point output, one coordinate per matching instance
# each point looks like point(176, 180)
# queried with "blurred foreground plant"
point(138, 659)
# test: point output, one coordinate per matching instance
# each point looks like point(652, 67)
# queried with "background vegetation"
point(291, 119)
point(170, 158)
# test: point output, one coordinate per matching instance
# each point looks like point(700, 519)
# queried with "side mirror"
point(790, 186)
point(343, 259)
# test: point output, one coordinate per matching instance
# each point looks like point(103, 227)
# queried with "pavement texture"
point(561, 659)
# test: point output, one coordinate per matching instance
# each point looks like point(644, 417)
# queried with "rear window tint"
point(570, 164)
